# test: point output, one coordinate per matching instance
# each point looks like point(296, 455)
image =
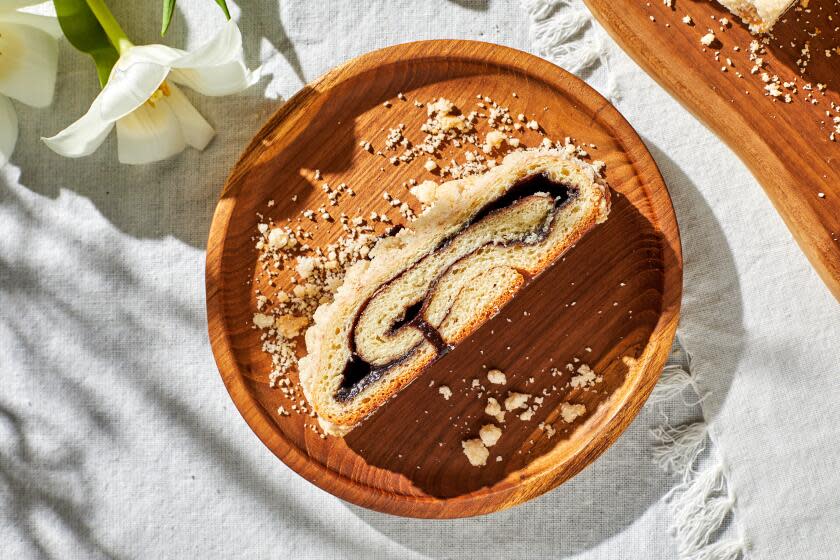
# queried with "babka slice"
point(426, 289)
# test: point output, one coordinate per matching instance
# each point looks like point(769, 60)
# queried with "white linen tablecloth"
point(118, 439)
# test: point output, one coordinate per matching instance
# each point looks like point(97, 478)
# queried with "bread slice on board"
point(426, 289)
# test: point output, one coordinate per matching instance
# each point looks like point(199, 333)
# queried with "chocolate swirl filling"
point(358, 372)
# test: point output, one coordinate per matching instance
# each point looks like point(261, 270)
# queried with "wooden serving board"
point(785, 145)
point(613, 301)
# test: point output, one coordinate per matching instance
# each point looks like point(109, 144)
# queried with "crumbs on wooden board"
point(447, 125)
point(817, 35)
point(524, 406)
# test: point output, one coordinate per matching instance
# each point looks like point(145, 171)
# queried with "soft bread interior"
point(478, 299)
point(374, 340)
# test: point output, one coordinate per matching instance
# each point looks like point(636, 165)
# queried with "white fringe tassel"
point(679, 447)
point(673, 382)
point(700, 503)
point(563, 32)
point(698, 509)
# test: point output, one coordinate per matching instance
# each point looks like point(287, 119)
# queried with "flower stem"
point(109, 23)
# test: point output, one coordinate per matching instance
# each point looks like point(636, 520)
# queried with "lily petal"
point(8, 129)
point(47, 24)
point(231, 77)
point(83, 136)
point(216, 68)
point(225, 47)
point(10, 5)
point(28, 64)
point(196, 130)
point(131, 84)
point(155, 54)
point(150, 133)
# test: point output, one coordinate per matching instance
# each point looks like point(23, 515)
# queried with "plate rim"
point(484, 500)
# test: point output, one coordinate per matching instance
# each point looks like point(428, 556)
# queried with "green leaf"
point(223, 5)
point(83, 31)
point(168, 8)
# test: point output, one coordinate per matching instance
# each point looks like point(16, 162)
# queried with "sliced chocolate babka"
point(426, 289)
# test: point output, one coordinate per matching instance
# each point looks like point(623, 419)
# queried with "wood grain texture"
point(617, 293)
point(785, 145)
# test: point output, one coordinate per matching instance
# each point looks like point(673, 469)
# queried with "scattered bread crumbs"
point(815, 34)
point(585, 378)
point(497, 377)
point(516, 400)
point(493, 141)
point(548, 429)
point(475, 451)
point(489, 434)
point(447, 125)
point(494, 409)
point(263, 321)
point(445, 391)
point(570, 412)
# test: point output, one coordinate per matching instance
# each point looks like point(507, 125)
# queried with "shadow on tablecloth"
point(175, 197)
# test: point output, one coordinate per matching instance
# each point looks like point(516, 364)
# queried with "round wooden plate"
point(612, 302)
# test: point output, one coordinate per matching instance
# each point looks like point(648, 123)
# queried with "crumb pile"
point(283, 315)
point(523, 406)
point(448, 125)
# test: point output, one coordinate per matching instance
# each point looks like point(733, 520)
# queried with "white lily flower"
point(154, 119)
point(28, 64)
